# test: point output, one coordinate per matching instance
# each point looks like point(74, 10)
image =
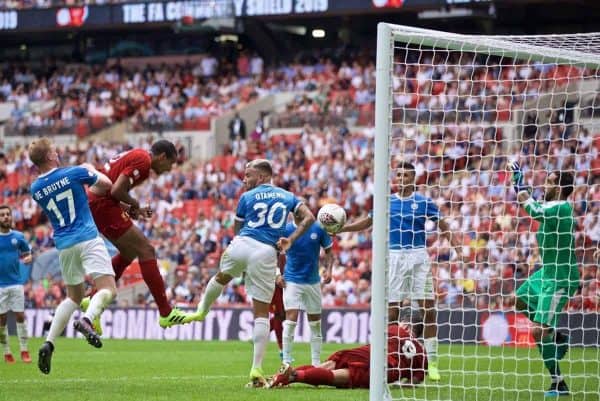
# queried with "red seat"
point(202, 123)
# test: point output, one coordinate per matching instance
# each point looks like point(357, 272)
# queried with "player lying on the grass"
point(406, 360)
point(545, 293)
point(14, 249)
point(60, 192)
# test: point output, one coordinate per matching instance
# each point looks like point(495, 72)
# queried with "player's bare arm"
point(446, 232)
point(329, 258)
point(102, 185)
point(26, 257)
point(120, 192)
point(358, 225)
point(306, 219)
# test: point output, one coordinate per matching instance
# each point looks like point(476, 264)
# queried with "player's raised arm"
point(533, 208)
point(357, 225)
point(306, 218)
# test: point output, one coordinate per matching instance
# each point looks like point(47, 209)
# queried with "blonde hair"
point(38, 150)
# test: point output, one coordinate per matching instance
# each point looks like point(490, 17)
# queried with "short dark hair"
point(5, 206)
point(565, 179)
point(406, 166)
point(166, 147)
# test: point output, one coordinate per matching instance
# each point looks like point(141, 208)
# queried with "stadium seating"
point(328, 162)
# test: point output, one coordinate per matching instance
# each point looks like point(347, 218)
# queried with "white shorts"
point(12, 298)
point(306, 297)
point(410, 275)
point(89, 257)
point(258, 260)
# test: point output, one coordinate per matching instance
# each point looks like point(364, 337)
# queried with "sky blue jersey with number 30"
point(61, 195)
point(264, 211)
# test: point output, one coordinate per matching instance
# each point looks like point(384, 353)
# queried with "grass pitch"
point(191, 370)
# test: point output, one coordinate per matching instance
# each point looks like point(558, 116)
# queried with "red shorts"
point(276, 306)
point(357, 363)
point(112, 221)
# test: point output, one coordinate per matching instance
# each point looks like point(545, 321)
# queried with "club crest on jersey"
point(313, 236)
point(14, 241)
point(136, 172)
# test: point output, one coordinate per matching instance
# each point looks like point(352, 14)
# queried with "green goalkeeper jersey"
point(556, 241)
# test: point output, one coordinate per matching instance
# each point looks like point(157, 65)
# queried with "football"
point(332, 217)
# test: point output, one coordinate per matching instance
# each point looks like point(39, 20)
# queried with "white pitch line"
point(50, 380)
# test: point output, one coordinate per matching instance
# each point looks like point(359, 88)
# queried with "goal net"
point(458, 108)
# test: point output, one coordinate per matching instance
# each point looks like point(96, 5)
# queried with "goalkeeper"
point(543, 296)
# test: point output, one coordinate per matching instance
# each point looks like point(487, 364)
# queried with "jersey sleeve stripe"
point(238, 218)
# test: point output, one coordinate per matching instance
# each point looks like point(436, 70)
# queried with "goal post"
point(459, 107)
point(383, 125)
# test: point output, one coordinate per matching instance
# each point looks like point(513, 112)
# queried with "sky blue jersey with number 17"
point(61, 194)
point(264, 211)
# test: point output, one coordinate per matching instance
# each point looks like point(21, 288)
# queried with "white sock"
point(22, 334)
point(61, 317)
point(97, 304)
point(289, 329)
point(316, 342)
point(431, 346)
point(213, 291)
point(261, 338)
point(4, 339)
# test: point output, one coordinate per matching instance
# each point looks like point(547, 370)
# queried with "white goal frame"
point(532, 48)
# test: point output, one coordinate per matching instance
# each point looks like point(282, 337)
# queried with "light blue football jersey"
point(302, 259)
point(12, 246)
point(61, 195)
point(264, 211)
point(407, 220)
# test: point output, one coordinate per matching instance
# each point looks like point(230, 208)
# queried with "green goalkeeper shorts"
point(545, 298)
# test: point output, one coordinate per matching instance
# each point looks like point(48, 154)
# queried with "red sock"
point(315, 376)
point(277, 326)
point(155, 283)
point(119, 265)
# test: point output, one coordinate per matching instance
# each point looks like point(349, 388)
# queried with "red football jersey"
point(135, 164)
point(406, 356)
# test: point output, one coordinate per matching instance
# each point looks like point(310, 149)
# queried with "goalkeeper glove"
point(517, 177)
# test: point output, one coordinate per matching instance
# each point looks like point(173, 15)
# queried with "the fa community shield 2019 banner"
point(348, 326)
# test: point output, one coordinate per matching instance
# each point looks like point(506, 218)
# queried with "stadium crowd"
point(84, 99)
point(460, 166)
point(195, 203)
